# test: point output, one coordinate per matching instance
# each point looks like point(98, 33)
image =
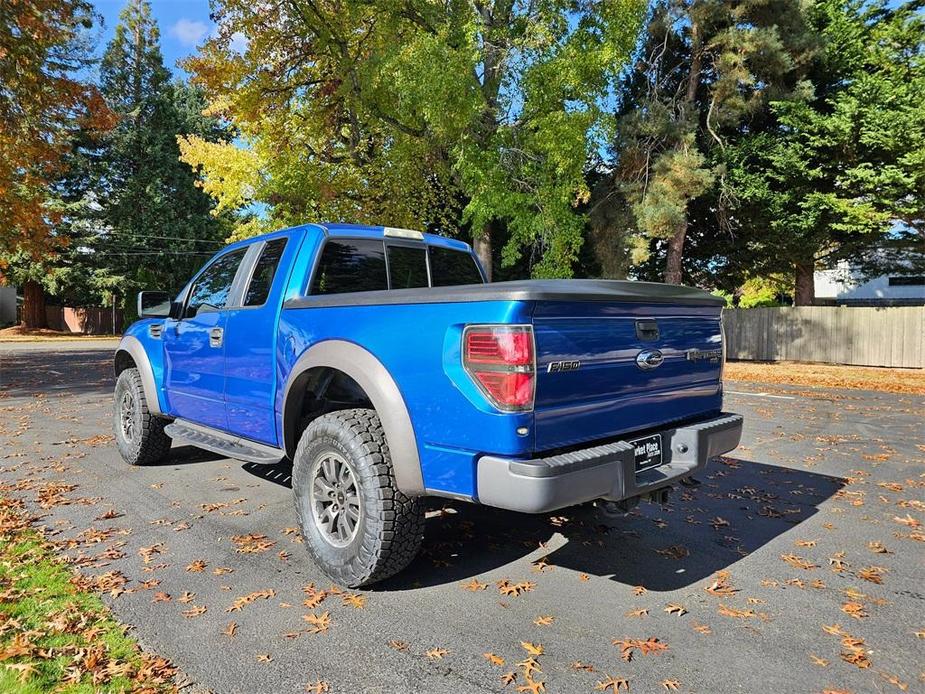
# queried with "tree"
point(704, 77)
point(841, 174)
point(43, 103)
point(437, 115)
point(154, 226)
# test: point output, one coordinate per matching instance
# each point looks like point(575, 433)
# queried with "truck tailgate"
point(589, 385)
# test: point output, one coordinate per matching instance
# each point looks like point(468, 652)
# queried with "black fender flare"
point(376, 381)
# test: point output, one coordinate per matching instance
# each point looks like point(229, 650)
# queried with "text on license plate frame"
point(649, 455)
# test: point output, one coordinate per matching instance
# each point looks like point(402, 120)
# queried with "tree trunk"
point(33, 306)
point(676, 242)
point(675, 254)
point(482, 246)
point(805, 293)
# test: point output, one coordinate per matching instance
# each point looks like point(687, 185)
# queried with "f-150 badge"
point(560, 366)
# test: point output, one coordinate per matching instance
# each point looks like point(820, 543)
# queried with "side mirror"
point(153, 304)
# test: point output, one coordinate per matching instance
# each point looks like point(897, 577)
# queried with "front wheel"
point(358, 527)
point(139, 434)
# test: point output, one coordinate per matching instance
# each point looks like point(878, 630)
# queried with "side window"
point(407, 267)
point(449, 267)
point(350, 265)
point(212, 287)
point(264, 272)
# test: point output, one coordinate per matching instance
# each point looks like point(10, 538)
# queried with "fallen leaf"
point(436, 653)
point(821, 662)
point(354, 600)
point(543, 621)
point(856, 658)
point(614, 684)
point(641, 612)
point(194, 612)
point(532, 648)
point(505, 587)
point(671, 685)
point(398, 645)
point(529, 667)
point(907, 520)
point(874, 574)
point(675, 609)
point(733, 612)
point(532, 687)
point(317, 687)
point(854, 609)
point(320, 623)
point(628, 646)
point(798, 562)
point(508, 678)
point(231, 629)
point(493, 659)
point(197, 566)
point(721, 585)
point(474, 585)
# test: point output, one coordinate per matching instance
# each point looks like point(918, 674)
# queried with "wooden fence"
point(88, 320)
point(888, 336)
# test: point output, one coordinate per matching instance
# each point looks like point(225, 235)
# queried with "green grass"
point(56, 635)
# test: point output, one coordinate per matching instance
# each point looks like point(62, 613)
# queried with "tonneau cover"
point(521, 290)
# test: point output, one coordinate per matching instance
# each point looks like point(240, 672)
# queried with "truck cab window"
point(449, 267)
point(264, 272)
point(350, 265)
point(211, 289)
point(407, 267)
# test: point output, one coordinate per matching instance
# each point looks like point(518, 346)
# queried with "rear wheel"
point(139, 434)
point(358, 527)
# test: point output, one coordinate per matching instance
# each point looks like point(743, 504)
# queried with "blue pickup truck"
point(384, 367)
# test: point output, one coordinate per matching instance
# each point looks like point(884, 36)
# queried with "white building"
point(845, 285)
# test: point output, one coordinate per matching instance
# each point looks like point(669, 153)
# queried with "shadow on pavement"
point(279, 473)
point(740, 507)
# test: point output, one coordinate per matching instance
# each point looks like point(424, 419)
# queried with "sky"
point(183, 24)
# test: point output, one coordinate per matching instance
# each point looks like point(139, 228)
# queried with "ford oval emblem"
point(649, 359)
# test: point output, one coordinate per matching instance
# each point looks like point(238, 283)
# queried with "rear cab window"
point(264, 272)
point(366, 265)
point(351, 265)
point(449, 267)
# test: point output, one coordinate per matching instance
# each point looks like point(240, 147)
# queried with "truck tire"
point(357, 526)
point(139, 434)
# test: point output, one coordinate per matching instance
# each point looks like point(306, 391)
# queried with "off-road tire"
point(148, 442)
point(390, 527)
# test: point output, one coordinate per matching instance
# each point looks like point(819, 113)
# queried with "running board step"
point(223, 443)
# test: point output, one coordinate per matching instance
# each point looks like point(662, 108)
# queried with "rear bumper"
point(602, 472)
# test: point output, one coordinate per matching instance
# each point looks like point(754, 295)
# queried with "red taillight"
point(501, 361)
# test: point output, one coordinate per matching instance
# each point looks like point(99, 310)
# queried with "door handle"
point(215, 337)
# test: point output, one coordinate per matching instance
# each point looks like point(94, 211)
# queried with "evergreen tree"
point(705, 74)
point(157, 224)
point(839, 174)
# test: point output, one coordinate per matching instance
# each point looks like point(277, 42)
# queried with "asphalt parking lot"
point(796, 566)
